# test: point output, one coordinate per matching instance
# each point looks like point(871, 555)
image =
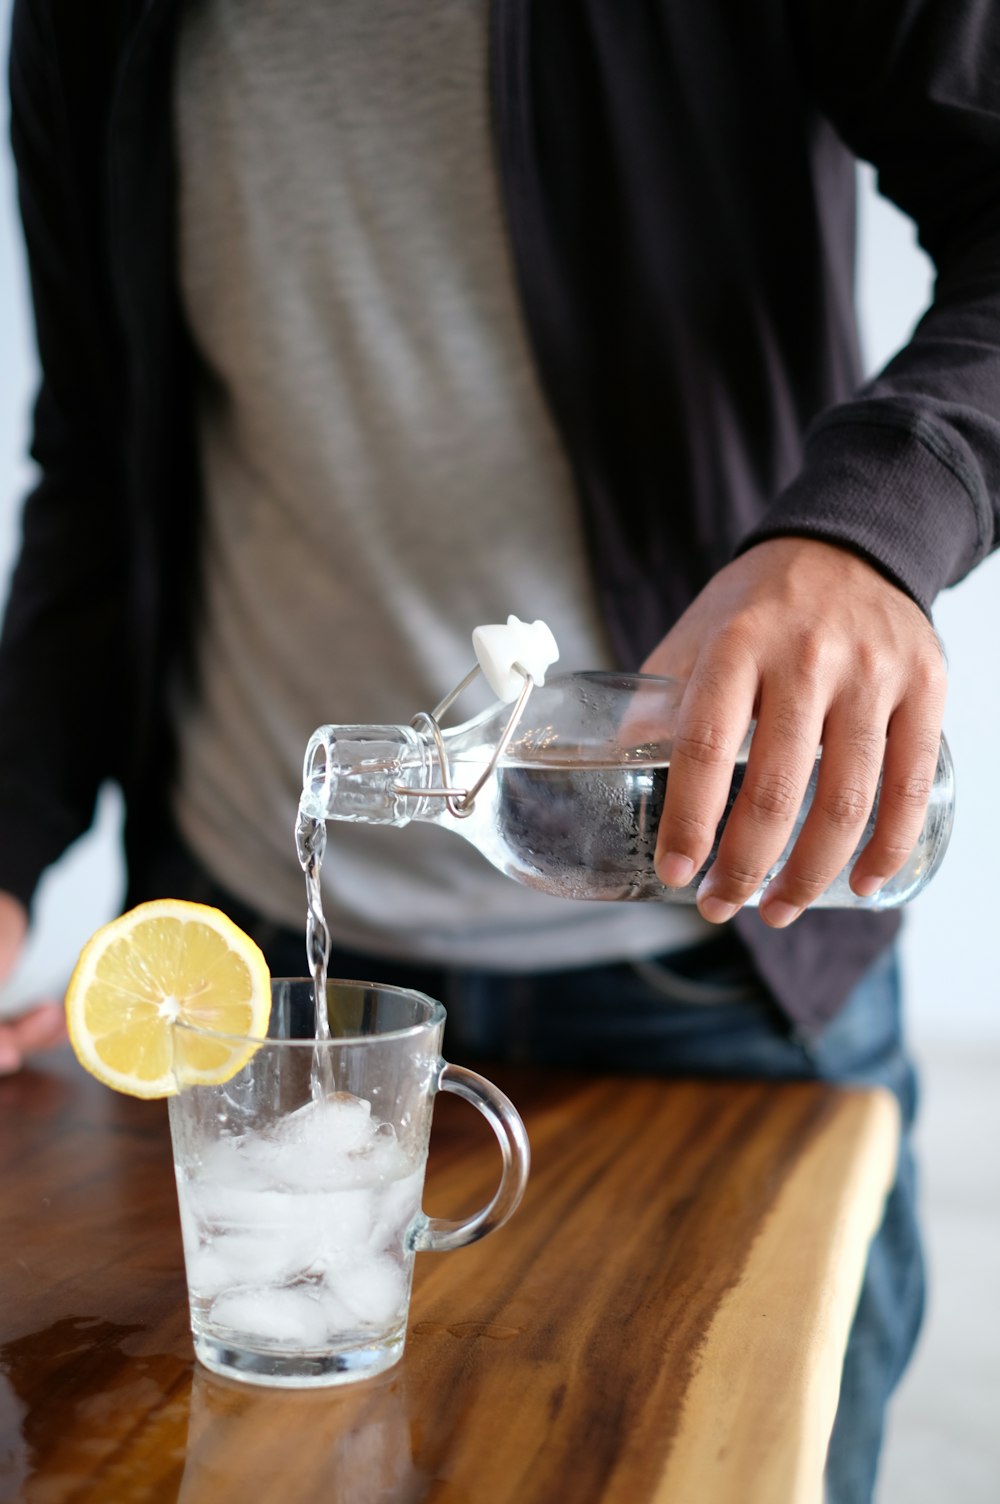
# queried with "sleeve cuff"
point(891, 493)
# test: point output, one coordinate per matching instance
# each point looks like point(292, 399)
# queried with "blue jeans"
point(699, 1013)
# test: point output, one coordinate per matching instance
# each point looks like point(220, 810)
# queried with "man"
point(394, 331)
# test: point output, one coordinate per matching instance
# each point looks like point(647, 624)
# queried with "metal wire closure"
point(461, 802)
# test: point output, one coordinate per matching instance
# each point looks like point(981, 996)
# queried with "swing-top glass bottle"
point(564, 791)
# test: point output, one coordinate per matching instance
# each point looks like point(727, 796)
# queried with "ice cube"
point(317, 1144)
point(339, 1124)
point(340, 1322)
point(293, 1319)
point(225, 1186)
point(339, 1220)
point(267, 1256)
point(272, 1160)
point(306, 1233)
point(396, 1205)
point(226, 1160)
point(208, 1274)
point(344, 1123)
point(372, 1289)
point(190, 1222)
point(247, 1203)
point(381, 1159)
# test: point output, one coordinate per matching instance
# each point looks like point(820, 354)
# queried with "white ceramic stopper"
point(498, 648)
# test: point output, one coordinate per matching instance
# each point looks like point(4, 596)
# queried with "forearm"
point(907, 473)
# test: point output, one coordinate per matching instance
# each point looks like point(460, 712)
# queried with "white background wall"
point(948, 950)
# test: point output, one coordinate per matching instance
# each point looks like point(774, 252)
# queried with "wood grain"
point(663, 1319)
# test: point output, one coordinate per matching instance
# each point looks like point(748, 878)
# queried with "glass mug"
point(300, 1210)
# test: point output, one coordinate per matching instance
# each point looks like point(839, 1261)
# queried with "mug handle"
point(439, 1234)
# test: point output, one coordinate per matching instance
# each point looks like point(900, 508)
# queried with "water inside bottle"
point(589, 831)
point(585, 831)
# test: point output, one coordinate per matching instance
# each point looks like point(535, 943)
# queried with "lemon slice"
point(164, 962)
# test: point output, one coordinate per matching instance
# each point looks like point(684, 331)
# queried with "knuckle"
point(872, 664)
point(912, 792)
point(868, 659)
point(702, 742)
point(690, 834)
point(929, 677)
point(737, 881)
point(810, 652)
point(846, 807)
point(737, 640)
point(772, 796)
point(802, 885)
point(893, 853)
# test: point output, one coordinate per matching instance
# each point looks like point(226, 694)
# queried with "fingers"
point(911, 756)
point(846, 787)
point(712, 724)
point(39, 1029)
point(13, 928)
point(856, 755)
point(868, 751)
point(10, 1055)
point(764, 816)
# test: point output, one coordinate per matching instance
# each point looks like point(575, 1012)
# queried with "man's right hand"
point(41, 1026)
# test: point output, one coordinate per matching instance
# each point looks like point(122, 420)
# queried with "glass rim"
point(435, 1017)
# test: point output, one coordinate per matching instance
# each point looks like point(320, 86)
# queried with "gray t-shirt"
point(381, 471)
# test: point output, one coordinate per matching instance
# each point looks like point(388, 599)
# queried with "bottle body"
point(573, 805)
point(592, 834)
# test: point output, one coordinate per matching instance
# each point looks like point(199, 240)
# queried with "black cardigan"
point(679, 180)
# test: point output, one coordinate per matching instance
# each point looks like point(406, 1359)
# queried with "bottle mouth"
point(319, 774)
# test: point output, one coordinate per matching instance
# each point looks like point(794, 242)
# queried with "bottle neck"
point(371, 774)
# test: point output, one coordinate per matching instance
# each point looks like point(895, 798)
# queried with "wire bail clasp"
point(513, 658)
point(461, 802)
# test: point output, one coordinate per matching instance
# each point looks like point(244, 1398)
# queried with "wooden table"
point(663, 1320)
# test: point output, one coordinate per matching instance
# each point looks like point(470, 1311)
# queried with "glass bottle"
point(565, 795)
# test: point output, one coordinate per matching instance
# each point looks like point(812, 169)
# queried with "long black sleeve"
point(909, 471)
point(62, 642)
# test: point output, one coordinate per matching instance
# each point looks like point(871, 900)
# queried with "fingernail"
point(777, 913)
point(867, 887)
point(716, 910)
point(675, 870)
